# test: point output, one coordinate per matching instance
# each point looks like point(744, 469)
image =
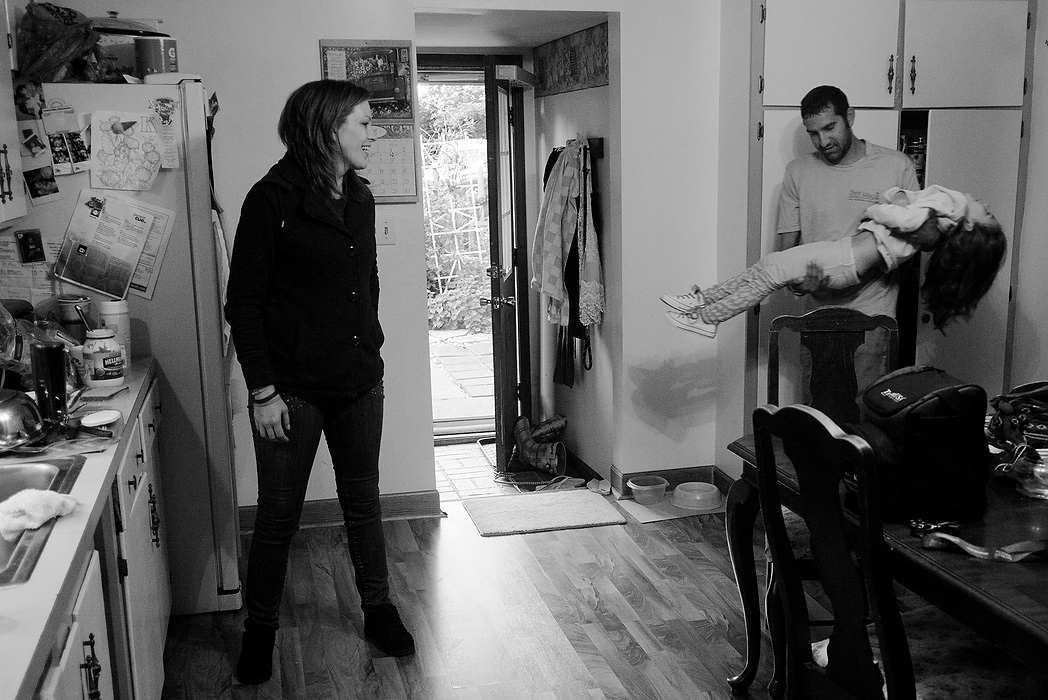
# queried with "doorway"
point(475, 231)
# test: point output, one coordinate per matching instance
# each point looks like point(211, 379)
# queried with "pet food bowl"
point(697, 495)
point(648, 490)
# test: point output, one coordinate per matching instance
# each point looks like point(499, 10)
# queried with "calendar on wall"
point(384, 68)
point(391, 164)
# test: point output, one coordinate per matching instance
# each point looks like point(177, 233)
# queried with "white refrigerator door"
point(181, 327)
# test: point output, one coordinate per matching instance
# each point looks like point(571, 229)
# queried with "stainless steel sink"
point(18, 558)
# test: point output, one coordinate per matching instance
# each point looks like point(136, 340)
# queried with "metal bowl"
point(20, 420)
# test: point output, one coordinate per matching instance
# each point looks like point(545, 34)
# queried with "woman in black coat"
point(302, 305)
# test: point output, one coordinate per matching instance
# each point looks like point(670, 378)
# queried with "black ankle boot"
point(256, 653)
point(384, 629)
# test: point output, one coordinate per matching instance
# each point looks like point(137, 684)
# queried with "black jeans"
point(353, 431)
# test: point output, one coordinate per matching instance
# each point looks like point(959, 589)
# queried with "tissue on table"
point(30, 508)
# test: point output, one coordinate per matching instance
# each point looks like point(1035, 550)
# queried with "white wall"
point(664, 159)
point(590, 402)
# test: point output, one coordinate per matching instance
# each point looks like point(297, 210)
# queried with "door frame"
point(482, 64)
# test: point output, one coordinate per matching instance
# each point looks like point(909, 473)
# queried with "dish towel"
point(30, 508)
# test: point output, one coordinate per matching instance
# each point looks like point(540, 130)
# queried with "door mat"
point(541, 512)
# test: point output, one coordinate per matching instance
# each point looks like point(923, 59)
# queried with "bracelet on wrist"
point(259, 400)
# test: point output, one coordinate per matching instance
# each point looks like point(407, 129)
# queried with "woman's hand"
point(272, 419)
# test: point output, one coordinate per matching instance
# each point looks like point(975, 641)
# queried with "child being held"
point(966, 242)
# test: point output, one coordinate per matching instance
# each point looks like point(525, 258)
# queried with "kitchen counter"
point(33, 615)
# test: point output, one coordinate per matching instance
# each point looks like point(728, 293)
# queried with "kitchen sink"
point(18, 558)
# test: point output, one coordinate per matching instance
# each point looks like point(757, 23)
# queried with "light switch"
point(384, 231)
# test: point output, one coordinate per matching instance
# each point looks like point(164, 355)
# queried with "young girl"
point(966, 241)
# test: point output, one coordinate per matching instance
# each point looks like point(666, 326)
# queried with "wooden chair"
point(852, 561)
point(831, 334)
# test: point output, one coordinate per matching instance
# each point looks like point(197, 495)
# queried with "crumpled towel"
point(30, 508)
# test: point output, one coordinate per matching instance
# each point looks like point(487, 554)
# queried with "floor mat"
point(541, 512)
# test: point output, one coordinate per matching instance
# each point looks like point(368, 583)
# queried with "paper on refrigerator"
point(143, 282)
point(103, 243)
point(126, 150)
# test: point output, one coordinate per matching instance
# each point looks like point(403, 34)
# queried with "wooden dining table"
point(1003, 601)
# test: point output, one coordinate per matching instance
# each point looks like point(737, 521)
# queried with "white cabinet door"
point(964, 53)
point(12, 191)
point(784, 140)
point(975, 151)
point(848, 43)
point(146, 583)
point(84, 669)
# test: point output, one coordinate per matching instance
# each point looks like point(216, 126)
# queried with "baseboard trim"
point(710, 474)
point(326, 511)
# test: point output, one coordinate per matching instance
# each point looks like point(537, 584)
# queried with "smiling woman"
point(302, 305)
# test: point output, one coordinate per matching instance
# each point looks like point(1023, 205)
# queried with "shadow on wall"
point(670, 394)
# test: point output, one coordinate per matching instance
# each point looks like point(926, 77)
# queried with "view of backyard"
point(455, 200)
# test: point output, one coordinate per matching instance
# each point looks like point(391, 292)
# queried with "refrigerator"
point(181, 327)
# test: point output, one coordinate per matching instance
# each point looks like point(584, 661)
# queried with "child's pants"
point(775, 271)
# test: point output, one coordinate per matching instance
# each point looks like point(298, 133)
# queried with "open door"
point(508, 271)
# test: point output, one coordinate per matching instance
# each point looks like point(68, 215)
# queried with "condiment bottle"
point(103, 359)
point(114, 315)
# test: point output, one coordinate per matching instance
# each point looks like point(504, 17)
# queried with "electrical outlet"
point(384, 231)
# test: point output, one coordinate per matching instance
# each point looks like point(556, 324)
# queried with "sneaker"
point(384, 628)
point(684, 302)
point(692, 322)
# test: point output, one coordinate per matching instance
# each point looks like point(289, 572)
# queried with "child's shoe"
point(684, 302)
point(692, 322)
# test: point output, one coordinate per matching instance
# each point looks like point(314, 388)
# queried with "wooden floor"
point(631, 612)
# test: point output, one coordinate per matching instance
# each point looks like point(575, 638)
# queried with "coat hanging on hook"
point(565, 256)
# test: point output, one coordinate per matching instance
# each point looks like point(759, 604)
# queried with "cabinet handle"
point(891, 73)
point(5, 177)
point(154, 518)
point(91, 669)
point(913, 74)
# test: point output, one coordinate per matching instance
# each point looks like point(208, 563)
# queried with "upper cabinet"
point(12, 193)
point(964, 53)
point(897, 53)
point(852, 44)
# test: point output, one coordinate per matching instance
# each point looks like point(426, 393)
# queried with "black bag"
point(927, 429)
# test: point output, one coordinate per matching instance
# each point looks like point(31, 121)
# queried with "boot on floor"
point(384, 628)
point(256, 653)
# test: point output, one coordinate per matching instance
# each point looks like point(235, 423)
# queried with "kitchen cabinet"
point(964, 53)
point(143, 566)
point(121, 528)
point(962, 112)
point(823, 42)
point(960, 53)
point(12, 191)
point(975, 151)
point(83, 670)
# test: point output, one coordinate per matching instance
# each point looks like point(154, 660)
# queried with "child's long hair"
point(961, 270)
point(308, 125)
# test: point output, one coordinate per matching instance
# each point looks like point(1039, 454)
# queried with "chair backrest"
point(831, 334)
point(822, 454)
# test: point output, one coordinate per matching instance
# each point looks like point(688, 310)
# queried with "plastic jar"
point(103, 359)
point(115, 315)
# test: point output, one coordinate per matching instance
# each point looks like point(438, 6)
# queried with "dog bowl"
point(697, 495)
point(648, 489)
